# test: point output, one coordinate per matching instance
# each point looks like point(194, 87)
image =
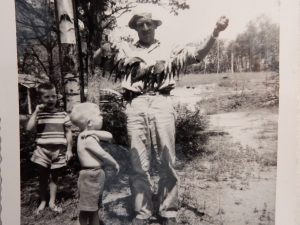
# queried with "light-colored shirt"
point(157, 64)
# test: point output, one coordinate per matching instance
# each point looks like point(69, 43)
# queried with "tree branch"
point(38, 59)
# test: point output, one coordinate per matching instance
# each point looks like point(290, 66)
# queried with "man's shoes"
point(169, 221)
point(137, 221)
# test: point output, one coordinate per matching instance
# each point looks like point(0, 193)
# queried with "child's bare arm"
point(69, 153)
point(101, 134)
point(93, 146)
point(31, 125)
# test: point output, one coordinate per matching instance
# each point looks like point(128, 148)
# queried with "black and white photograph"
point(148, 112)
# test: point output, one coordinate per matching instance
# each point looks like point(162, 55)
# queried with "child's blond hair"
point(83, 112)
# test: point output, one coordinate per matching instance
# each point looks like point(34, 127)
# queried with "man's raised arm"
point(221, 25)
point(188, 56)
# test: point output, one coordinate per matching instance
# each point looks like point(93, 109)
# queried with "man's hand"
point(159, 66)
point(131, 60)
point(97, 55)
point(221, 25)
point(104, 51)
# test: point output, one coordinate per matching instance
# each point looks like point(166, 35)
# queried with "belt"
point(52, 146)
point(91, 168)
point(129, 95)
point(152, 93)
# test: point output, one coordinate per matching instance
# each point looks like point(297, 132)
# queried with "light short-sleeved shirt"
point(172, 58)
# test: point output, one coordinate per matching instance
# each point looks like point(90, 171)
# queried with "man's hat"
point(136, 17)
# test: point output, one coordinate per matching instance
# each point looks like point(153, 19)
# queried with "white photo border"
point(288, 147)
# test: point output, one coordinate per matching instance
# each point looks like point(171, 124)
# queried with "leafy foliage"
point(174, 5)
point(27, 145)
point(114, 119)
point(256, 49)
point(36, 38)
point(190, 127)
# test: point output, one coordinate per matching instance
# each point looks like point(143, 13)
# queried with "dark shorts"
point(90, 185)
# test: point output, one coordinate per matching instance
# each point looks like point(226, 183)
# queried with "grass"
point(230, 160)
point(224, 92)
point(219, 79)
point(98, 82)
point(267, 138)
point(235, 92)
point(226, 166)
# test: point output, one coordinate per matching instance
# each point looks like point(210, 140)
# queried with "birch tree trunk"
point(69, 58)
point(218, 56)
point(232, 62)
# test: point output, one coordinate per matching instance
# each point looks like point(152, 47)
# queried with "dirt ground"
point(256, 129)
point(240, 199)
point(232, 184)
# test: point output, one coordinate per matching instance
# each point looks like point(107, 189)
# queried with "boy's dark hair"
point(45, 86)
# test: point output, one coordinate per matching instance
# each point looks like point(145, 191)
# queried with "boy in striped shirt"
point(53, 143)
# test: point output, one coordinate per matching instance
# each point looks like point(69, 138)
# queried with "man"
point(148, 69)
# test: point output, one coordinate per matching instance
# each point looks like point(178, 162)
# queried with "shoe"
point(169, 221)
point(137, 221)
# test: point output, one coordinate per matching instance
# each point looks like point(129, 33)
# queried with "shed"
point(29, 82)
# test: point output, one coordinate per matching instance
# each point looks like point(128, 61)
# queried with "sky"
point(196, 23)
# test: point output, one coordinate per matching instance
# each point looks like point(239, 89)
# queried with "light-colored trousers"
point(151, 130)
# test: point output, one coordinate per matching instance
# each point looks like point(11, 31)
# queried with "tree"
point(268, 36)
point(257, 48)
point(69, 53)
point(98, 19)
point(39, 35)
point(36, 38)
point(217, 59)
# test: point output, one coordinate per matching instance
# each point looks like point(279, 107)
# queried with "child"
point(92, 159)
point(53, 143)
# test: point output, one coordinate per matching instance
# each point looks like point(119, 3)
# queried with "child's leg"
point(53, 189)
point(89, 218)
point(43, 174)
point(83, 218)
point(94, 218)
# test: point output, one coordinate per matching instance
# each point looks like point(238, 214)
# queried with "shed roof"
point(32, 81)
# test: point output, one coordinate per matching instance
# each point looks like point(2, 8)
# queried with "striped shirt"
point(51, 128)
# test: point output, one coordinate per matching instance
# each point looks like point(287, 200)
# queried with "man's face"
point(49, 98)
point(146, 30)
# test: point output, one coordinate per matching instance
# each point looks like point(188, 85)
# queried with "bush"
point(189, 133)
point(190, 127)
point(114, 117)
point(27, 146)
